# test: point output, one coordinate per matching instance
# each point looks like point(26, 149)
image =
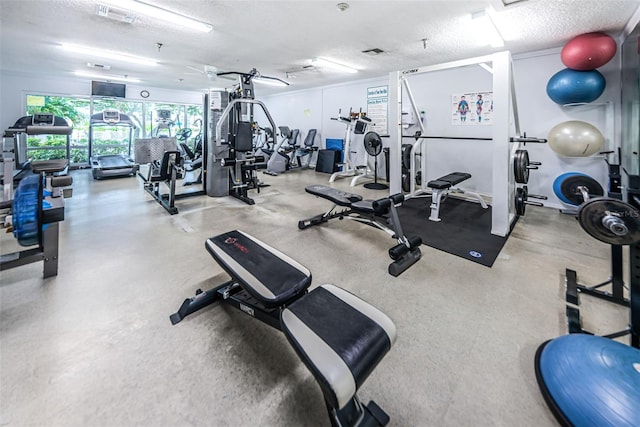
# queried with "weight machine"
point(37, 206)
point(15, 148)
point(231, 160)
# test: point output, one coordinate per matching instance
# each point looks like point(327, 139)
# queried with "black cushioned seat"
point(339, 197)
point(264, 272)
point(452, 179)
point(363, 206)
point(339, 337)
point(438, 185)
point(162, 172)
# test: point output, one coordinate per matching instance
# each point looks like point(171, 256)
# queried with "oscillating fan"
point(373, 147)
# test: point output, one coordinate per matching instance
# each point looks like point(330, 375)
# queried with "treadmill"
point(112, 165)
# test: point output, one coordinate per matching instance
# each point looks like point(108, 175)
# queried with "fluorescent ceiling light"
point(108, 54)
point(330, 64)
point(270, 82)
point(159, 13)
point(105, 77)
point(486, 66)
point(486, 29)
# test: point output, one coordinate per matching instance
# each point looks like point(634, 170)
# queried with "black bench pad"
point(264, 272)
point(363, 206)
point(448, 180)
point(339, 337)
point(339, 197)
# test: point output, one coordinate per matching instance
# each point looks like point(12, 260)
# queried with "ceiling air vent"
point(119, 15)
point(373, 52)
point(99, 66)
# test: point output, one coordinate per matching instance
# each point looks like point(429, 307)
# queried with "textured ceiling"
point(277, 37)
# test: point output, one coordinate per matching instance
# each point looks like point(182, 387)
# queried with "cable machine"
point(231, 161)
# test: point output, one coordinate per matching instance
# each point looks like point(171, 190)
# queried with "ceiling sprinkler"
point(342, 6)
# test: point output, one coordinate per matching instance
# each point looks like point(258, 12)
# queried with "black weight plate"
point(610, 220)
point(521, 198)
point(406, 156)
point(569, 188)
point(406, 182)
point(520, 166)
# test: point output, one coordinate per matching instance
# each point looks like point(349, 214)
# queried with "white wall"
point(13, 91)
point(313, 109)
point(432, 92)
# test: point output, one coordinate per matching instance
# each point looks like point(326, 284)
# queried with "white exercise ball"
point(574, 138)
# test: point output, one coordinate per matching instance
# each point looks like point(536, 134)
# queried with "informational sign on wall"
point(472, 108)
point(377, 108)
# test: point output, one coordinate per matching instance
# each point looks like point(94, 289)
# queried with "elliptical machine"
point(357, 124)
point(280, 160)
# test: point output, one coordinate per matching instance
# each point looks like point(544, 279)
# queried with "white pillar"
point(503, 185)
point(395, 133)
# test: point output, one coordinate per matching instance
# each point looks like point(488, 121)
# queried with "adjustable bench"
point(443, 186)
point(338, 336)
point(378, 213)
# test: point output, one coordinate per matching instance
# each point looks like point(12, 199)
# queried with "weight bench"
point(442, 186)
point(380, 213)
point(338, 336)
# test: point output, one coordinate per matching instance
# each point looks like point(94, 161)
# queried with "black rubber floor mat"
point(465, 229)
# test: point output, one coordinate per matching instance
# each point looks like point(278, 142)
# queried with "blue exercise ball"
point(575, 87)
point(557, 186)
point(590, 381)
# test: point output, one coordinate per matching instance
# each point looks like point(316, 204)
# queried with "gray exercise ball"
point(574, 138)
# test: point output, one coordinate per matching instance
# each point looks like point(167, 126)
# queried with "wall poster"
point(377, 107)
point(472, 108)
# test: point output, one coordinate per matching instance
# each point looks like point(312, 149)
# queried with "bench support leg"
point(356, 414)
point(436, 198)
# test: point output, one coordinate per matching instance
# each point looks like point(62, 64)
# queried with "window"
point(119, 137)
point(76, 112)
point(149, 118)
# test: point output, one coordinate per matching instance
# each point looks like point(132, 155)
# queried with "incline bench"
point(377, 213)
point(443, 186)
point(338, 336)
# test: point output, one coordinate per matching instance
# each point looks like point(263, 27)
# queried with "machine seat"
point(265, 273)
point(339, 337)
point(162, 172)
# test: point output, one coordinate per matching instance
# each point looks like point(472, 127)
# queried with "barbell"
point(610, 220)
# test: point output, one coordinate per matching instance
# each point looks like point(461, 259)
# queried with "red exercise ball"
point(588, 51)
